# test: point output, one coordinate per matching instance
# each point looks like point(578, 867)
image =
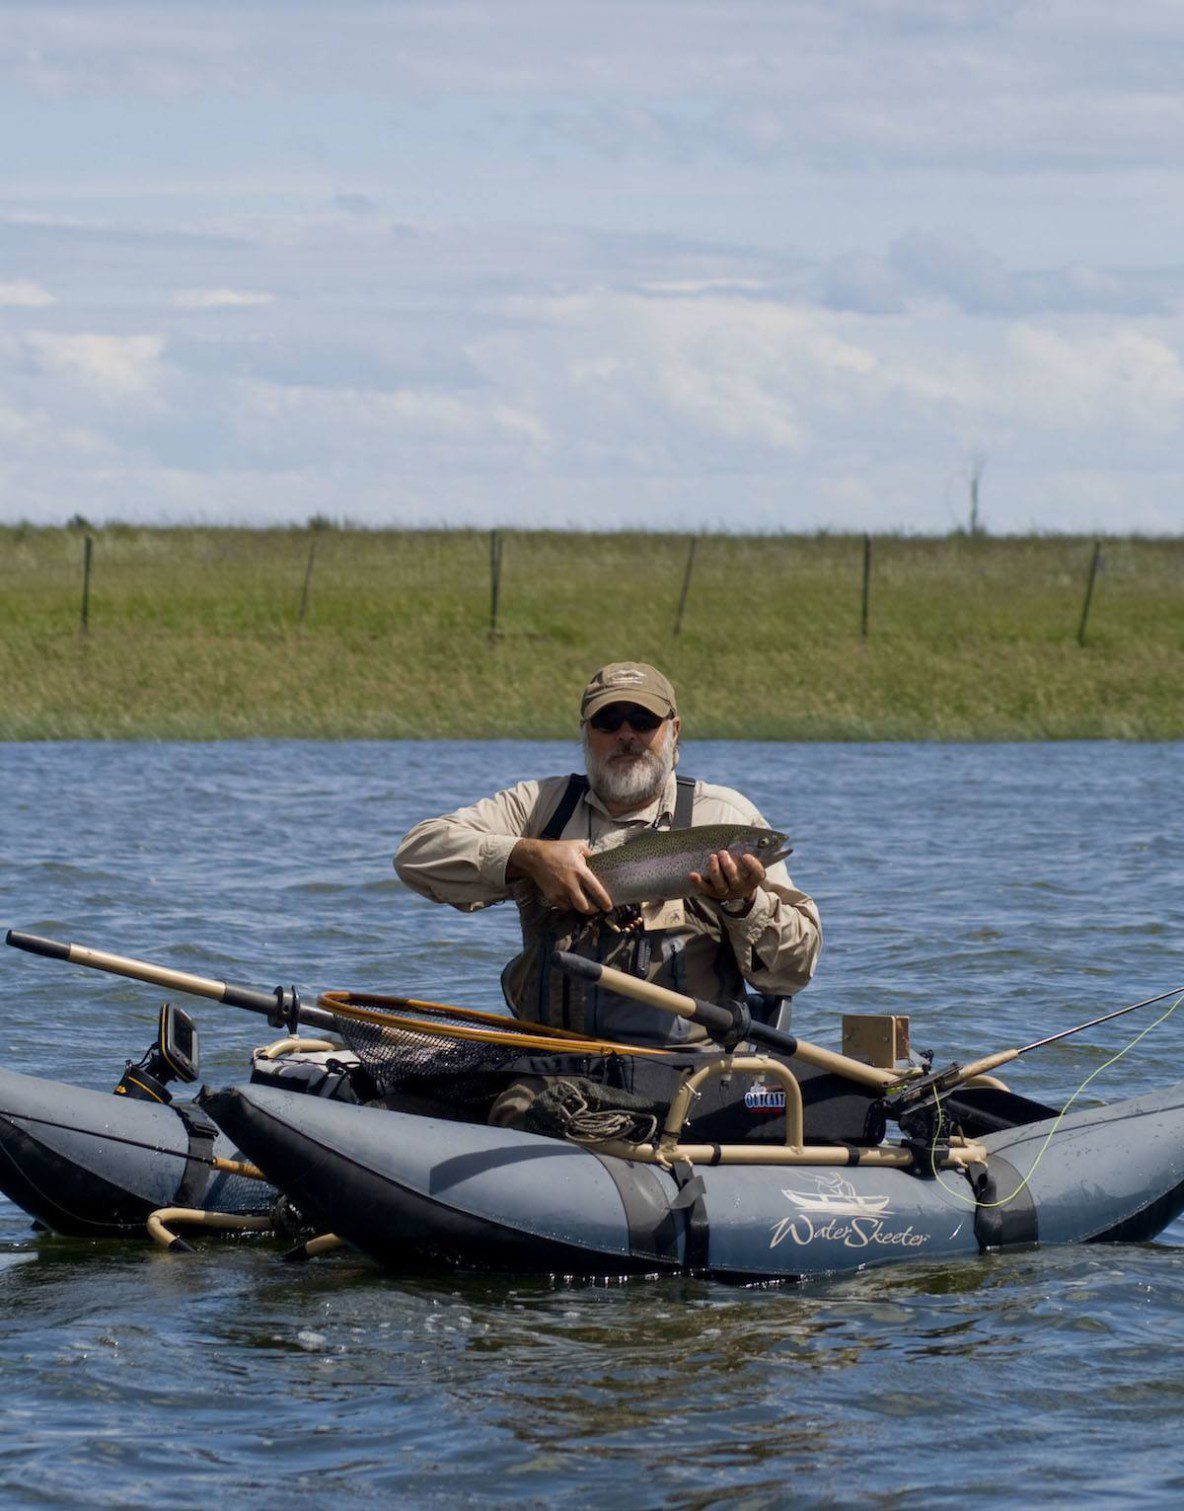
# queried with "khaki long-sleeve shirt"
point(461, 857)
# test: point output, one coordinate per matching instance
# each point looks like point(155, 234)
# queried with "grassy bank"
point(196, 634)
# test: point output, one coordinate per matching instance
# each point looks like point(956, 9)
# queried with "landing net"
point(406, 1044)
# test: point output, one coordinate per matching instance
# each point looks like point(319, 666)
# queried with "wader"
point(694, 956)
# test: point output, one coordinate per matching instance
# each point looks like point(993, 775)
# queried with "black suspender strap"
point(577, 785)
point(684, 802)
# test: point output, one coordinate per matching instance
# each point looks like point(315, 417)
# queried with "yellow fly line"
point(469, 1024)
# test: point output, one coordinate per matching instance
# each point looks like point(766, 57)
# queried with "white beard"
point(637, 781)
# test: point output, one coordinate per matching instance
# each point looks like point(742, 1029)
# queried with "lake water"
point(994, 893)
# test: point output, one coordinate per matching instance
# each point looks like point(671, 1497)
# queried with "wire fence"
point(1069, 588)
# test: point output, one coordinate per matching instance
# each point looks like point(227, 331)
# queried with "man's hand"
point(727, 880)
point(558, 869)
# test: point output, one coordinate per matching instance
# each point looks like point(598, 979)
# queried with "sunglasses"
point(640, 720)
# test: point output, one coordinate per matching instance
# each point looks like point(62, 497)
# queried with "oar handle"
point(719, 1020)
point(722, 1023)
point(281, 1007)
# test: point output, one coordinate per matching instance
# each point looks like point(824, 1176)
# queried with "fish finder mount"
point(175, 1056)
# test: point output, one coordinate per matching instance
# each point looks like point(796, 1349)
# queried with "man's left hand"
point(729, 880)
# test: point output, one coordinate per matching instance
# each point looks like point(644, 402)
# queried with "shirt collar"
point(662, 808)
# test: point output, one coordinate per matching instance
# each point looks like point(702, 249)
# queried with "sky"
point(671, 264)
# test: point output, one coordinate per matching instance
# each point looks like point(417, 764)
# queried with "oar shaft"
point(124, 965)
point(719, 1020)
point(273, 1005)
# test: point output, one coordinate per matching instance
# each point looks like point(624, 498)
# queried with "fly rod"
point(281, 1007)
point(729, 1024)
point(908, 1093)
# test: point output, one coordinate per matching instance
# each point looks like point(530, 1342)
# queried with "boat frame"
point(669, 1151)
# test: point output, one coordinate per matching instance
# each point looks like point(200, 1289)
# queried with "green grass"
point(194, 635)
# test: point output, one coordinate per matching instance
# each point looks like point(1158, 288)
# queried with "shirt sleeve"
point(777, 942)
point(460, 858)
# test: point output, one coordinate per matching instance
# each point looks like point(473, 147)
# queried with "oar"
point(729, 1026)
point(909, 1093)
point(281, 1007)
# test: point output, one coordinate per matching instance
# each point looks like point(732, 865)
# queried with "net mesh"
point(238, 1194)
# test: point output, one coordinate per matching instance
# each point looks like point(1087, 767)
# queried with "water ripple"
point(994, 893)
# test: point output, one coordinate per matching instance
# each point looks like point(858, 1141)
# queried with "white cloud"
point(1066, 83)
point(713, 408)
point(1122, 380)
point(220, 299)
point(113, 368)
point(407, 430)
point(24, 294)
point(764, 262)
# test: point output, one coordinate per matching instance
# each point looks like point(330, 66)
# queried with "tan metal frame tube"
point(680, 1106)
point(778, 1154)
point(290, 1045)
point(195, 1216)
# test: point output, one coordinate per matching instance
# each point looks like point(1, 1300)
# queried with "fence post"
point(304, 592)
point(495, 580)
point(867, 582)
point(88, 548)
point(686, 584)
point(1089, 590)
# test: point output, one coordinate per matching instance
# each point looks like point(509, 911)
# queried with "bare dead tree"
point(978, 464)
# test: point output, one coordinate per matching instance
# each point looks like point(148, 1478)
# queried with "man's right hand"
point(558, 869)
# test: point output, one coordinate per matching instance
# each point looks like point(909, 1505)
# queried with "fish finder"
point(175, 1056)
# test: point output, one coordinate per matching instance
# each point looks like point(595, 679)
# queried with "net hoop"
point(471, 1025)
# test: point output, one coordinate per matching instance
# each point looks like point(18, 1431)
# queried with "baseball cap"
point(628, 682)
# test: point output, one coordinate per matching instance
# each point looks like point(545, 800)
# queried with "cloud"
point(353, 354)
point(220, 299)
point(708, 406)
point(1124, 380)
point(35, 231)
point(765, 262)
point(1076, 85)
point(24, 294)
point(113, 369)
point(355, 204)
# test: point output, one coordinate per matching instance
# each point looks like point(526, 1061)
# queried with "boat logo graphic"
point(835, 1211)
point(762, 1098)
point(836, 1197)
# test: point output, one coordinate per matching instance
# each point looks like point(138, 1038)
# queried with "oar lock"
point(287, 1009)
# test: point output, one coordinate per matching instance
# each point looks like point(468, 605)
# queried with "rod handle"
point(988, 1062)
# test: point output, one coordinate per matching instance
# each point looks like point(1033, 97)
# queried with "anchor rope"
point(974, 1204)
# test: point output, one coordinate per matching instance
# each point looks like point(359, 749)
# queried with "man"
point(531, 842)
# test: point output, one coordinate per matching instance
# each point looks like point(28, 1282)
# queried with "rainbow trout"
point(656, 865)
